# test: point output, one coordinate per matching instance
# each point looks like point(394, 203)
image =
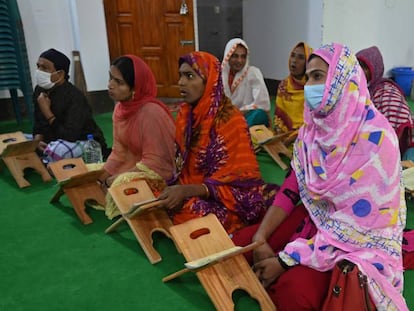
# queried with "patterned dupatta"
point(214, 148)
point(290, 96)
point(198, 121)
point(240, 75)
point(346, 160)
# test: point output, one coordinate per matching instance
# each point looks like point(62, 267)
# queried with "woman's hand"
point(172, 197)
point(106, 180)
point(268, 270)
point(262, 252)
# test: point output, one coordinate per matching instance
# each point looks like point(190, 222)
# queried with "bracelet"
point(282, 263)
point(106, 182)
point(207, 191)
point(50, 118)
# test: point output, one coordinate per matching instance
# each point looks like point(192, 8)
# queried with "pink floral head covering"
point(346, 160)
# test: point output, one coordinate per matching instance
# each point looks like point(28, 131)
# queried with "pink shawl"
point(346, 160)
point(143, 128)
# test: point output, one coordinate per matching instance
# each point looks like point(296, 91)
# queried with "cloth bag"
point(348, 289)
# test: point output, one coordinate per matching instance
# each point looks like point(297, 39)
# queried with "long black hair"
point(126, 66)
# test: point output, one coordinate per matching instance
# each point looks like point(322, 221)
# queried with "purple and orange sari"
point(214, 148)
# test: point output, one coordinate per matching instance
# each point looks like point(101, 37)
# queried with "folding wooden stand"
point(205, 236)
point(273, 144)
point(143, 224)
point(78, 184)
point(18, 153)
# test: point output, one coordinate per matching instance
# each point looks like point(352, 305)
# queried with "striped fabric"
point(62, 149)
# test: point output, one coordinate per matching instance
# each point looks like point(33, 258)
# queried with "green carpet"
point(50, 261)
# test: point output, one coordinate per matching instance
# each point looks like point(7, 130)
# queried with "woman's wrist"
point(51, 118)
point(206, 191)
point(282, 263)
point(258, 238)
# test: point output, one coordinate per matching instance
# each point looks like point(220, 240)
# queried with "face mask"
point(314, 94)
point(43, 79)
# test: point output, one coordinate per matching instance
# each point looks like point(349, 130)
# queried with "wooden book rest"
point(143, 222)
point(273, 144)
point(78, 184)
point(205, 236)
point(18, 153)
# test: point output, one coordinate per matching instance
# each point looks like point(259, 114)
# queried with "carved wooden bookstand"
point(18, 153)
point(130, 198)
point(78, 184)
point(205, 236)
point(273, 144)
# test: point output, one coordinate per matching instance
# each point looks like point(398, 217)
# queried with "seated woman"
point(217, 171)
point(289, 98)
point(143, 129)
point(244, 84)
point(388, 98)
point(348, 179)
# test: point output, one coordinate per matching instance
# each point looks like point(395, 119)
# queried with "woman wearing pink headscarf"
point(346, 168)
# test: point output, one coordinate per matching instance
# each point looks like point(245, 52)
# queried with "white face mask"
point(43, 79)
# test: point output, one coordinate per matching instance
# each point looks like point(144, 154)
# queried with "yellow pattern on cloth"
point(93, 203)
point(155, 182)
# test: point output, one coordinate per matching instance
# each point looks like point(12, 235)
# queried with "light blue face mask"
point(313, 95)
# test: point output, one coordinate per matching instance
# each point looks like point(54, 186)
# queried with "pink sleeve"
point(158, 151)
point(288, 195)
point(114, 160)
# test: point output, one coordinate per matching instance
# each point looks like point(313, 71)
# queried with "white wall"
point(272, 27)
point(48, 24)
point(363, 23)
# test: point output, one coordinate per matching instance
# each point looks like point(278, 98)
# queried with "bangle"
point(282, 263)
point(206, 189)
point(50, 118)
point(106, 182)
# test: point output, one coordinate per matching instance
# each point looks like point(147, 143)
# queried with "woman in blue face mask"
point(345, 172)
point(315, 86)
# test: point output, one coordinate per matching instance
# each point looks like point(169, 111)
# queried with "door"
point(155, 31)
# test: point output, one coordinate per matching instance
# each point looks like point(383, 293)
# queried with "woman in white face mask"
point(63, 117)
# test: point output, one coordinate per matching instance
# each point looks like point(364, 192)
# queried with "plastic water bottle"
point(92, 152)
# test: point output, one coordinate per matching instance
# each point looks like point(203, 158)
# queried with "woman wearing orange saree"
point(217, 171)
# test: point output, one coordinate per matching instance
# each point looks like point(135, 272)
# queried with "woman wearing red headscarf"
point(143, 129)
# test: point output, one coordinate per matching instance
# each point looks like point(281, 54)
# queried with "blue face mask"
point(314, 94)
